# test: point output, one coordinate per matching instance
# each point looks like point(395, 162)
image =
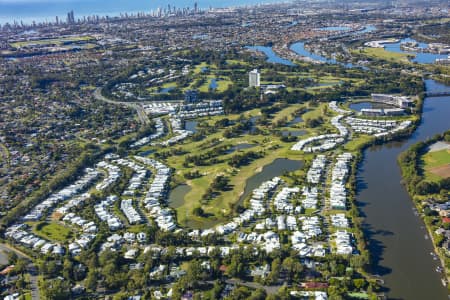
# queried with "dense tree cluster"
point(410, 162)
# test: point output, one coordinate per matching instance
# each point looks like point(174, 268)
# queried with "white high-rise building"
point(254, 78)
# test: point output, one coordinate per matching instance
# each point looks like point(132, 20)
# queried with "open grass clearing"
point(383, 54)
point(58, 41)
point(287, 112)
point(220, 207)
point(52, 230)
point(437, 164)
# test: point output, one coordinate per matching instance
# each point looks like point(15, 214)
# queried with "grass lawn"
point(436, 164)
point(27, 296)
point(137, 228)
point(222, 84)
point(58, 41)
point(219, 207)
point(237, 62)
point(4, 153)
point(355, 143)
point(287, 112)
point(198, 68)
point(315, 112)
point(381, 53)
point(53, 231)
point(437, 158)
point(359, 295)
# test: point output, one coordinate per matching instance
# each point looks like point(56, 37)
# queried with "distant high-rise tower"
point(70, 17)
point(254, 78)
point(195, 7)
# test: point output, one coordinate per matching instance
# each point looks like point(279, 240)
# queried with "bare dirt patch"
point(442, 171)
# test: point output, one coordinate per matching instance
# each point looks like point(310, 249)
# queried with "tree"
point(236, 267)
point(67, 269)
point(91, 281)
point(258, 294)
point(241, 293)
point(20, 266)
point(220, 183)
point(274, 274)
point(427, 187)
point(198, 211)
point(12, 257)
point(56, 289)
point(193, 274)
point(293, 268)
point(217, 290)
point(359, 283)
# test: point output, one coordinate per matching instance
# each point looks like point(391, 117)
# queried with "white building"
point(254, 78)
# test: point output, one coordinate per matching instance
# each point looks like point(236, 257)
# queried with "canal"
point(272, 57)
point(396, 236)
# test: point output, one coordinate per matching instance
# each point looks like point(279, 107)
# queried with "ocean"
point(27, 11)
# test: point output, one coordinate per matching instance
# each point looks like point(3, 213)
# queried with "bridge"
point(437, 94)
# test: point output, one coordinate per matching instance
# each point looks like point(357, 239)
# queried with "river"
point(272, 57)
point(420, 57)
point(400, 252)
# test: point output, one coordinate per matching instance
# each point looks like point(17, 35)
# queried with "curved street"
point(31, 268)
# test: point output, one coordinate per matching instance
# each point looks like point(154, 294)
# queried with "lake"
point(293, 132)
point(277, 168)
point(166, 90)
point(213, 84)
point(190, 125)
point(294, 121)
point(238, 147)
point(360, 105)
point(176, 195)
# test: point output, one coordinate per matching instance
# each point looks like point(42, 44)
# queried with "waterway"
point(399, 250)
point(277, 168)
point(423, 58)
point(299, 48)
point(272, 57)
point(335, 28)
point(368, 29)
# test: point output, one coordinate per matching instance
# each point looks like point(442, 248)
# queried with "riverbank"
point(429, 196)
point(397, 238)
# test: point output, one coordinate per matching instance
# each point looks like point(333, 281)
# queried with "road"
point(270, 290)
point(31, 268)
point(137, 106)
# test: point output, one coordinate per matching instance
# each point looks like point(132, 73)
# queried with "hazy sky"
point(32, 1)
